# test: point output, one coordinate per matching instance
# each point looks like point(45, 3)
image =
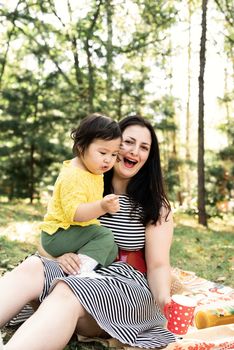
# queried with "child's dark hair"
point(95, 126)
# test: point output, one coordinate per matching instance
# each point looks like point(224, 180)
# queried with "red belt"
point(133, 258)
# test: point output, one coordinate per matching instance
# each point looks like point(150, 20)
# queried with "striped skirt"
point(119, 299)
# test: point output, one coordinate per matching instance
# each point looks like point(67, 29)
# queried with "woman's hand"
point(70, 263)
point(164, 307)
point(162, 304)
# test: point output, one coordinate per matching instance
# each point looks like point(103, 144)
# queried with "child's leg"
point(52, 325)
point(18, 287)
point(94, 241)
point(101, 245)
point(112, 255)
point(66, 241)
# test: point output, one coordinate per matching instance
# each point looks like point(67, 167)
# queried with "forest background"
point(170, 60)
point(61, 60)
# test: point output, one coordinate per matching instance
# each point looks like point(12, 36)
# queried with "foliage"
point(31, 128)
point(56, 66)
point(226, 7)
point(220, 172)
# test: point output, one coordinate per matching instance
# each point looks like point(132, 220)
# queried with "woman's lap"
point(118, 302)
point(118, 299)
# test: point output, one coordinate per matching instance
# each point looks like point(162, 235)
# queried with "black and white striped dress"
point(118, 297)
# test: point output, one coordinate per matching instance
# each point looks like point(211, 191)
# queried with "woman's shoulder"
point(165, 216)
point(166, 213)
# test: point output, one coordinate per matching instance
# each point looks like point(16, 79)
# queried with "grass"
point(207, 251)
point(19, 232)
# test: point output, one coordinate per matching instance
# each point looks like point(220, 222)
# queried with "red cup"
point(179, 313)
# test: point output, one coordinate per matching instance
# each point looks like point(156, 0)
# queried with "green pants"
point(94, 241)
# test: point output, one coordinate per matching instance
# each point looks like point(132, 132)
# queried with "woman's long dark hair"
point(146, 187)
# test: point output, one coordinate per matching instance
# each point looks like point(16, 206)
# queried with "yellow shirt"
point(72, 187)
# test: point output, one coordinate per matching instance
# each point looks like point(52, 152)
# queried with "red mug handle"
point(166, 310)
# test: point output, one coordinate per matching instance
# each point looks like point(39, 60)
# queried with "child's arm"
point(89, 211)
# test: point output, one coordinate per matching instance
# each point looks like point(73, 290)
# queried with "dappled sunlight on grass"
point(184, 219)
point(19, 232)
point(225, 223)
point(23, 231)
point(206, 251)
point(19, 221)
point(12, 252)
point(20, 211)
point(222, 224)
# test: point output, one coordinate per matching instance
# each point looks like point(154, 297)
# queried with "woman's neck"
point(119, 184)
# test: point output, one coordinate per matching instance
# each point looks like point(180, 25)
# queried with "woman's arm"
point(157, 253)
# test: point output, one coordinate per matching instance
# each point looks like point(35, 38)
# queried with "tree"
point(109, 48)
point(34, 138)
point(57, 66)
point(202, 217)
point(226, 8)
point(188, 112)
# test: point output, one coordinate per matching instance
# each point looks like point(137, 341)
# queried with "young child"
point(70, 224)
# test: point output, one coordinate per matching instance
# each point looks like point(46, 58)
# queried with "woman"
point(118, 300)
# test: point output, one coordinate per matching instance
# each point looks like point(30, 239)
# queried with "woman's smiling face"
point(134, 151)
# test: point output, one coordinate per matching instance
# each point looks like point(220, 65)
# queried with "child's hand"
point(110, 203)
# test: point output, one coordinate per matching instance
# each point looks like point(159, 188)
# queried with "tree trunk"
point(31, 174)
point(202, 217)
point(88, 46)
point(226, 104)
point(174, 138)
point(73, 39)
point(109, 49)
point(91, 88)
point(188, 116)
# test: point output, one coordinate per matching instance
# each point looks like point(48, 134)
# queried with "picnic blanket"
point(208, 295)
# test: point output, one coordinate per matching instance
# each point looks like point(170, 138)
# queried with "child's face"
point(101, 155)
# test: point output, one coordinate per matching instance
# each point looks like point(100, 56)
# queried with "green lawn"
point(207, 251)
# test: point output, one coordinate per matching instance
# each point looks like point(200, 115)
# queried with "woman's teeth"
point(129, 163)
